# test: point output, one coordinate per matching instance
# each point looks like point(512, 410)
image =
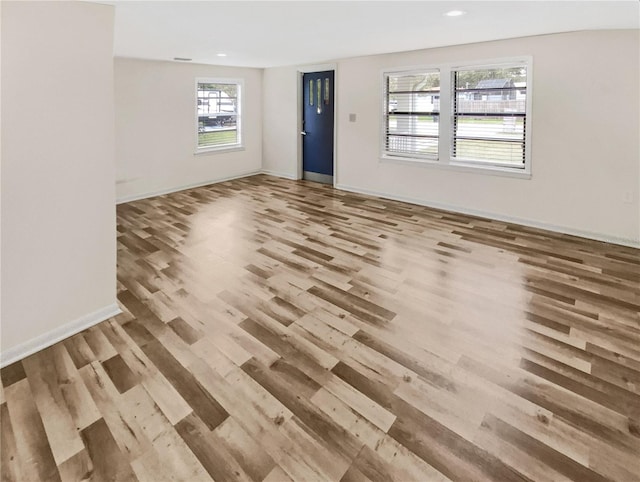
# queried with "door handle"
point(304, 133)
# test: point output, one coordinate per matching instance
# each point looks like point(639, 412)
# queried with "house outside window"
point(489, 116)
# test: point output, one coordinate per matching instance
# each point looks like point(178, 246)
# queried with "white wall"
point(280, 129)
point(58, 172)
point(155, 127)
point(585, 135)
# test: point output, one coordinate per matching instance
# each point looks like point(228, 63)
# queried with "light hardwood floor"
point(278, 330)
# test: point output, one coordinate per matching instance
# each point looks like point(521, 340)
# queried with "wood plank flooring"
point(285, 331)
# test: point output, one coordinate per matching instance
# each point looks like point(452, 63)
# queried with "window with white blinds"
point(483, 124)
point(411, 114)
point(218, 110)
point(490, 115)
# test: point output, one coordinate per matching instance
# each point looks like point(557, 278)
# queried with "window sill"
point(213, 150)
point(458, 166)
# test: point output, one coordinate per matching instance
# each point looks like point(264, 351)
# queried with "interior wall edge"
point(632, 243)
point(60, 333)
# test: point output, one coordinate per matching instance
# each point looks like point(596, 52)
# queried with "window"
point(411, 113)
point(486, 124)
point(218, 114)
point(489, 115)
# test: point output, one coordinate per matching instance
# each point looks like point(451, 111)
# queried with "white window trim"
point(238, 146)
point(445, 136)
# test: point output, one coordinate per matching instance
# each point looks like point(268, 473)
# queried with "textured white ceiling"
point(267, 34)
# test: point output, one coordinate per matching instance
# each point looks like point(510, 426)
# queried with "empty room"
point(320, 241)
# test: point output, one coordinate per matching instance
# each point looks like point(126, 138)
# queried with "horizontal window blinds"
point(412, 109)
point(489, 116)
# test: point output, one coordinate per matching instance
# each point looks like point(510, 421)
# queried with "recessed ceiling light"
point(182, 59)
point(222, 55)
point(455, 13)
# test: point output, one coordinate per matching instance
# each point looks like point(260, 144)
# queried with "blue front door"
point(317, 126)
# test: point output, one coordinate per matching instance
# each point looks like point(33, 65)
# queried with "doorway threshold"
point(317, 177)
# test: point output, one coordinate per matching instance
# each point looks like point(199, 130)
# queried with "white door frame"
point(300, 73)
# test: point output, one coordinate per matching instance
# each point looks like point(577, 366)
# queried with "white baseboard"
point(136, 197)
point(52, 337)
point(285, 175)
point(632, 243)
